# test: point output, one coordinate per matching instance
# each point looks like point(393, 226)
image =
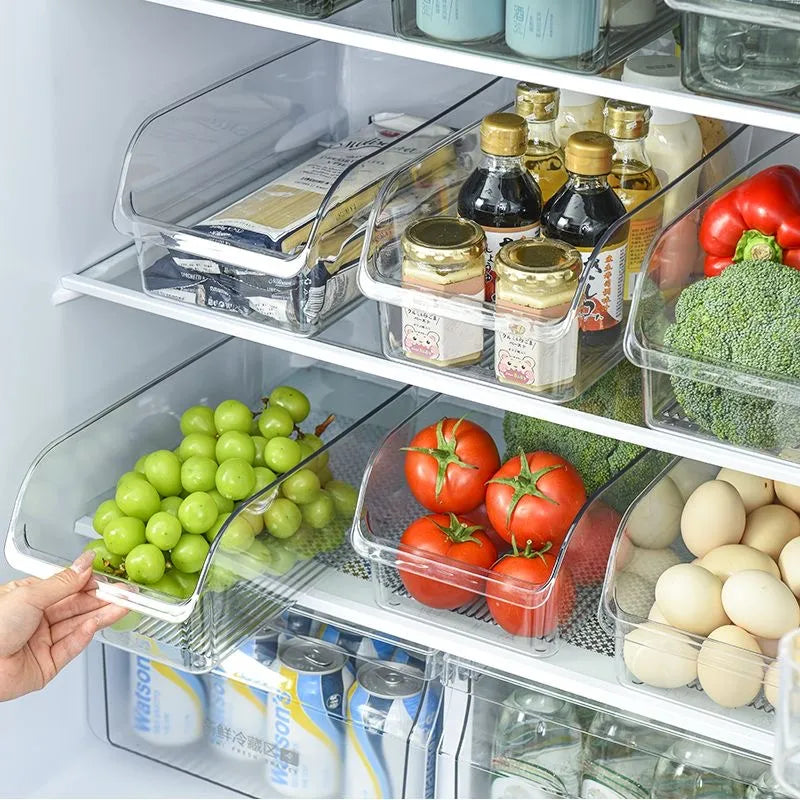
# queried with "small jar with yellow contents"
point(537, 279)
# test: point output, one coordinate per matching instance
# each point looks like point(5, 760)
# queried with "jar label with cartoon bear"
point(442, 341)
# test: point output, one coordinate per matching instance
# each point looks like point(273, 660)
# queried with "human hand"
point(44, 624)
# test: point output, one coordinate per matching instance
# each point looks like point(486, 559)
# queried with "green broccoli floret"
point(748, 317)
point(617, 395)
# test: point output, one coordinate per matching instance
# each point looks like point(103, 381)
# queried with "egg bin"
point(691, 650)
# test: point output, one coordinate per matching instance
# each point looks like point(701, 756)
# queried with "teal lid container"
point(461, 20)
point(554, 29)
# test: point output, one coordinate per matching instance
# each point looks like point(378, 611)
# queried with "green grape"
point(282, 454)
point(197, 513)
point(320, 511)
point(137, 498)
point(224, 505)
point(168, 584)
point(163, 530)
point(345, 497)
point(212, 532)
point(198, 473)
point(306, 450)
point(235, 444)
point(301, 487)
point(220, 579)
point(235, 479)
point(282, 518)
point(123, 534)
point(293, 400)
point(106, 511)
point(103, 557)
point(264, 477)
point(238, 535)
point(275, 422)
point(197, 444)
point(145, 564)
point(254, 425)
point(325, 476)
point(283, 559)
point(232, 415)
point(171, 504)
point(178, 455)
point(303, 543)
point(261, 552)
point(186, 580)
point(198, 419)
point(189, 554)
point(138, 467)
point(163, 470)
point(127, 477)
point(321, 461)
point(259, 442)
point(254, 520)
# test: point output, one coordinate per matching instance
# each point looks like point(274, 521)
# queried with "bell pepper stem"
point(756, 246)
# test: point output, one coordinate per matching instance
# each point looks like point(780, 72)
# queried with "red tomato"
point(430, 545)
point(590, 544)
point(448, 464)
point(517, 600)
point(535, 499)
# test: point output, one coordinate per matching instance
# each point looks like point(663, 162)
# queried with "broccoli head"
point(748, 317)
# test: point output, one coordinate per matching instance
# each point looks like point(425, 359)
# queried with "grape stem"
point(320, 429)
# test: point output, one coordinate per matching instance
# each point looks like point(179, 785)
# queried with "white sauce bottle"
point(578, 112)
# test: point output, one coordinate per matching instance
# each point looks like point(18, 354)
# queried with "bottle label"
point(602, 299)
point(642, 231)
point(549, 772)
point(605, 784)
point(495, 239)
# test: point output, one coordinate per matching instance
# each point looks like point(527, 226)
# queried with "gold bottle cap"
point(441, 241)
point(588, 153)
point(536, 102)
point(504, 135)
point(550, 263)
point(623, 120)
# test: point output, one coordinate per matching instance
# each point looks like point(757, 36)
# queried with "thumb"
point(43, 594)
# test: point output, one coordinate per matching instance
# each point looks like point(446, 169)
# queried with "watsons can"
point(305, 721)
point(236, 718)
point(168, 707)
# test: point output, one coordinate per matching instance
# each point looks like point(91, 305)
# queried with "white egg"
point(788, 494)
point(655, 615)
point(759, 603)
point(754, 491)
point(789, 562)
point(655, 521)
point(714, 515)
point(649, 564)
point(770, 528)
point(730, 667)
point(724, 561)
point(772, 683)
point(690, 598)
point(633, 594)
point(658, 657)
point(687, 475)
point(769, 647)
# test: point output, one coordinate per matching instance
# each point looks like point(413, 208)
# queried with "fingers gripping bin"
point(228, 213)
point(248, 576)
point(306, 708)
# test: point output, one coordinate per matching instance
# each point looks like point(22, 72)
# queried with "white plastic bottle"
point(674, 143)
point(692, 770)
point(578, 112)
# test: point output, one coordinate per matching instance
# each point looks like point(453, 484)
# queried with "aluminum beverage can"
point(389, 752)
point(236, 718)
point(263, 647)
point(168, 707)
point(362, 646)
point(305, 729)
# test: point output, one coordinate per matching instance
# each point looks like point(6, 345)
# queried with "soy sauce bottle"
point(500, 195)
point(580, 214)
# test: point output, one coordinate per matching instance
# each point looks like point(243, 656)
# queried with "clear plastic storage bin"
point(755, 410)
point(574, 36)
point(540, 354)
point(651, 655)
point(236, 591)
point(305, 709)
point(786, 763)
point(310, 9)
point(190, 177)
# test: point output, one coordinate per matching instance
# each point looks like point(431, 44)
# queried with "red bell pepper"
point(757, 220)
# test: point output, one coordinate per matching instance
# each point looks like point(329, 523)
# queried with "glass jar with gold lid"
point(538, 277)
point(446, 254)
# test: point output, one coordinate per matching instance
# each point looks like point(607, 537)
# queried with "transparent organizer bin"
point(509, 737)
point(600, 41)
point(786, 764)
point(309, 9)
point(675, 261)
point(659, 652)
point(543, 340)
point(195, 158)
point(255, 727)
point(564, 609)
point(235, 593)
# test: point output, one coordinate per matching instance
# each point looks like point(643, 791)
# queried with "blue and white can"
point(263, 647)
point(364, 647)
point(168, 707)
point(305, 727)
point(390, 750)
point(236, 718)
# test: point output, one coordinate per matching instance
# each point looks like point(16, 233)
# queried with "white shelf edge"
point(729, 110)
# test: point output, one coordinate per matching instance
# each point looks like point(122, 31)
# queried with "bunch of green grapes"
point(167, 511)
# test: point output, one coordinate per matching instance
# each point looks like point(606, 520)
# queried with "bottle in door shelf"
point(581, 214)
point(500, 194)
point(446, 254)
point(578, 112)
point(693, 770)
point(634, 180)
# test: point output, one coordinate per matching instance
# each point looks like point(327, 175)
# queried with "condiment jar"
point(537, 278)
point(446, 254)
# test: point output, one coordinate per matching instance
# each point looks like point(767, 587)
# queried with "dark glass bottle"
point(500, 194)
point(580, 214)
